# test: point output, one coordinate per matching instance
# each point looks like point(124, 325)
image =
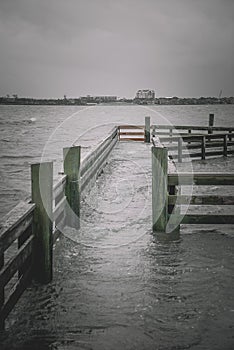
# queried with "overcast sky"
point(49, 48)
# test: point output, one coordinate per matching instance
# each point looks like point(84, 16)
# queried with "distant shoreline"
point(123, 102)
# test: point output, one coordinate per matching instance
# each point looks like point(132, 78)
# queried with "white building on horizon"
point(145, 94)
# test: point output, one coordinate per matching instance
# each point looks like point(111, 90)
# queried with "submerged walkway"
point(116, 287)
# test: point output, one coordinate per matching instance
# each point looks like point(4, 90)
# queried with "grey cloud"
point(78, 46)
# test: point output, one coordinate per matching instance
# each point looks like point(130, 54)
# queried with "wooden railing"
point(37, 224)
point(17, 225)
point(167, 200)
point(131, 133)
point(135, 132)
point(220, 142)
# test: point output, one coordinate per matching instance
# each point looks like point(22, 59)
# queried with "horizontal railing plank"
point(98, 162)
point(15, 294)
point(126, 126)
point(16, 262)
point(131, 133)
point(204, 219)
point(15, 223)
point(60, 207)
point(132, 139)
point(174, 147)
point(193, 127)
point(200, 199)
point(201, 179)
point(97, 152)
point(58, 188)
point(195, 137)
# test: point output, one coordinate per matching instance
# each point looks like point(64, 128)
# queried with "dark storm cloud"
point(178, 47)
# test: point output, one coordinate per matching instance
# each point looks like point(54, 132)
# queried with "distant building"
point(98, 99)
point(145, 94)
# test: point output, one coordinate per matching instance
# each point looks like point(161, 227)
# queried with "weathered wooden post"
point(180, 140)
point(171, 134)
point(211, 122)
point(71, 163)
point(230, 135)
point(147, 129)
point(159, 188)
point(2, 292)
point(42, 187)
point(189, 132)
point(203, 148)
point(225, 146)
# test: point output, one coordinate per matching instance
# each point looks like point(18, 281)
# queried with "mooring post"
point(170, 134)
point(225, 145)
point(2, 293)
point(159, 188)
point(180, 140)
point(211, 122)
point(71, 163)
point(147, 129)
point(42, 196)
point(203, 148)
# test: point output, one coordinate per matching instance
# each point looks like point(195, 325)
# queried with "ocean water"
point(116, 286)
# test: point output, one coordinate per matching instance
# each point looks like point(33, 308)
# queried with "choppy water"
point(115, 286)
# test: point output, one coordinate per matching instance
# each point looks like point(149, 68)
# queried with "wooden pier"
point(32, 226)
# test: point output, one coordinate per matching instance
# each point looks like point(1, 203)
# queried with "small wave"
point(5, 140)
point(14, 156)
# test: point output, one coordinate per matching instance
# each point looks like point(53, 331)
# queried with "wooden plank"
point(132, 133)
point(91, 158)
point(42, 196)
point(15, 223)
point(59, 187)
point(193, 138)
point(211, 153)
point(15, 294)
point(206, 179)
point(132, 139)
point(16, 262)
point(200, 200)
point(96, 165)
point(21, 240)
point(126, 126)
point(193, 127)
point(198, 155)
point(204, 219)
point(159, 188)
point(60, 207)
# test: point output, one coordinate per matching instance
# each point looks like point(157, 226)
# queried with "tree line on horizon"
point(15, 100)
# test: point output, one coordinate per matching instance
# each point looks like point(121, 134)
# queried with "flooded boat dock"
point(115, 286)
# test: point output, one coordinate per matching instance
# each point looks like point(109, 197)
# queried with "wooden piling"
point(159, 188)
point(211, 122)
point(2, 294)
point(171, 134)
point(225, 144)
point(180, 140)
point(203, 148)
point(42, 187)
point(147, 129)
point(71, 161)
